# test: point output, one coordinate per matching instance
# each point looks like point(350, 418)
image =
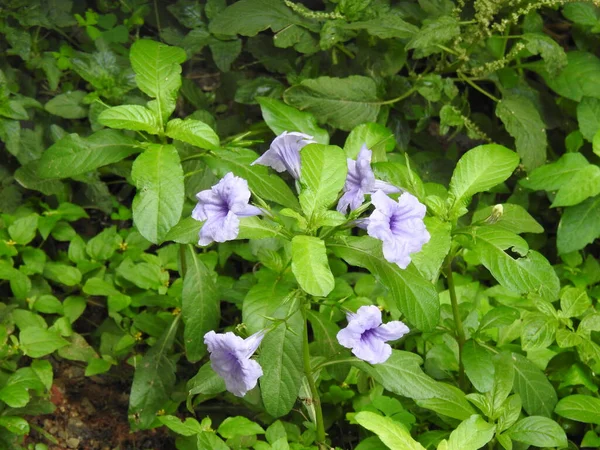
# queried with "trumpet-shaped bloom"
point(367, 336)
point(221, 207)
point(399, 225)
point(230, 359)
point(361, 181)
point(284, 153)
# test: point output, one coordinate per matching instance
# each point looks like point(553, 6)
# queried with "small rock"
point(73, 443)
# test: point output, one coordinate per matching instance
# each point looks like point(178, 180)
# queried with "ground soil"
point(91, 414)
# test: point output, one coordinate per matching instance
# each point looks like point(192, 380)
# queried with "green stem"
point(474, 86)
point(316, 401)
point(460, 332)
point(397, 99)
point(182, 261)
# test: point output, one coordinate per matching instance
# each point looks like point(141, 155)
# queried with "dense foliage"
point(476, 126)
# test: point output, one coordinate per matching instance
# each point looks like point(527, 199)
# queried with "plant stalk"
point(316, 401)
point(460, 331)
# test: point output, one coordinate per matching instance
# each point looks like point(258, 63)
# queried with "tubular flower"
point(230, 359)
point(284, 153)
point(367, 336)
point(361, 181)
point(221, 207)
point(399, 225)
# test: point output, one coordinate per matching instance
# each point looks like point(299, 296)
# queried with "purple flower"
point(221, 207)
point(230, 359)
point(284, 153)
point(399, 225)
point(367, 336)
point(361, 181)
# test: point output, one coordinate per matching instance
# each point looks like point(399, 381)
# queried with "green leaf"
point(537, 394)
point(324, 171)
point(538, 331)
point(68, 105)
point(62, 273)
point(434, 32)
point(281, 360)
point(239, 426)
point(102, 246)
point(200, 307)
point(206, 382)
point(153, 379)
point(523, 122)
point(498, 317)
point(429, 260)
point(579, 225)
point(157, 70)
point(310, 266)
point(582, 408)
point(471, 434)
point(256, 228)
point(551, 177)
point(189, 427)
point(142, 274)
point(387, 26)
point(281, 117)
point(185, 232)
point(258, 15)
point(480, 169)
point(16, 425)
point(22, 230)
point(37, 342)
point(414, 296)
point(529, 273)
point(400, 176)
point(588, 116)
point(574, 302)
point(538, 431)
point(324, 332)
point(479, 365)
point(585, 183)
point(555, 58)
point(402, 375)
point(379, 139)
point(208, 440)
point(391, 433)
point(514, 218)
point(158, 177)
point(74, 155)
point(224, 53)
point(260, 180)
point(581, 13)
point(193, 132)
point(341, 102)
point(580, 78)
point(130, 117)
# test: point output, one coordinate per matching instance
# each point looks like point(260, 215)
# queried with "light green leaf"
point(555, 58)
point(574, 302)
point(538, 431)
point(157, 70)
point(400, 176)
point(310, 266)
point(579, 225)
point(536, 392)
point(281, 117)
point(200, 307)
point(530, 273)
point(14, 424)
point(514, 218)
point(538, 331)
point(480, 169)
point(73, 155)
point(193, 132)
point(580, 78)
point(256, 228)
point(206, 382)
point(68, 105)
point(102, 246)
point(582, 13)
point(158, 177)
point(281, 360)
point(429, 260)
point(239, 426)
point(22, 230)
point(189, 427)
point(379, 139)
point(341, 102)
point(553, 176)
point(268, 298)
point(471, 434)
point(523, 122)
point(185, 232)
point(260, 180)
point(130, 117)
point(153, 379)
point(582, 408)
point(596, 143)
point(387, 26)
point(434, 32)
point(414, 296)
point(583, 184)
point(38, 342)
point(324, 171)
point(62, 273)
point(258, 15)
point(588, 116)
point(391, 433)
point(479, 365)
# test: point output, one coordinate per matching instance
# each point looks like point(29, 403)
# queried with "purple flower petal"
point(399, 225)
point(230, 359)
point(284, 153)
point(367, 337)
point(221, 207)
